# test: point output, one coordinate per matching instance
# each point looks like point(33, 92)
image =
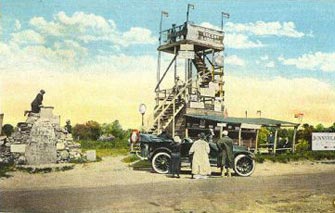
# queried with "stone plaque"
point(60, 146)
point(91, 155)
point(41, 148)
point(18, 148)
point(46, 112)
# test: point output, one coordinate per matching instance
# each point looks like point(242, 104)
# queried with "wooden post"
point(240, 136)
point(256, 143)
point(174, 97)
point(275, 142)
point(221, 130)
point(294, 138)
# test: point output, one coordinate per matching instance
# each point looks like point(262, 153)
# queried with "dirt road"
point(296, 187)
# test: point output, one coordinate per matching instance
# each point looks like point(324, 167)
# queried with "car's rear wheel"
point(244, 165)
point(161, 162)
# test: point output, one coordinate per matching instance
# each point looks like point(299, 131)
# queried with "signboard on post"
point(186, 54)
point(323, 141)
point(186, 47)
point(205, 35)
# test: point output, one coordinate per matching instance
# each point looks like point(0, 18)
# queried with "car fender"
point(160, 149)
point(252, 155)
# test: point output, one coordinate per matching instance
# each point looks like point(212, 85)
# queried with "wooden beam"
point(221, 130)
point(275, 142)
point(294, 138)
point(256, 144)
point(240, 136)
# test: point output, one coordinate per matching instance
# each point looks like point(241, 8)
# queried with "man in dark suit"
point(37, 102)
point(225, 155)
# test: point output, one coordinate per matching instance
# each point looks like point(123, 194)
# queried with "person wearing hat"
point(37, 102)
point(200, 162)
point(68, 127)
point(225, 154)
point(175, 157)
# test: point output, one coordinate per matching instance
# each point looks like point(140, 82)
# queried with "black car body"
point(158, 150)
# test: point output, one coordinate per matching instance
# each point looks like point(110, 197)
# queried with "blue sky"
point(315, 19)
point(265, 40)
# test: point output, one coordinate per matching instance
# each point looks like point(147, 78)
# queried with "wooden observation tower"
point(201, 90)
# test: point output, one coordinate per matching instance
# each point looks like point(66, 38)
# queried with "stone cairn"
point(39, 140)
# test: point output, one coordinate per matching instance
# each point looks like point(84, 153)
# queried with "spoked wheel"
point(161, 162)
point(244, 165)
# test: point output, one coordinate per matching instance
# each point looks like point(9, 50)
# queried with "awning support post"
point(275, 141)
point(294, 138)
point(256, 143)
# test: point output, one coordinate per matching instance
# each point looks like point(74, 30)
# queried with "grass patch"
point(4, 168)
point(130, 158)
point(35, 170)
point(287, 157)
point(141, 164)
point(104, 149)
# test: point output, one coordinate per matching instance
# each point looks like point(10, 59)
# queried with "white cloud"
point(90, 27)
point(46, 28)
point(270, 64)
point(138, 35)
point(71, 45)
point(264, 58)
point(312, 61)
point(234, 60)
point(209, 25)
point(261, 28)
point(240, 41)
point(28, 37)
point(17, 25)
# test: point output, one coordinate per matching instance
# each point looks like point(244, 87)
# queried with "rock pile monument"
point(40, 140)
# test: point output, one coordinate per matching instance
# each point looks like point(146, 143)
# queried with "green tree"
point(320, 128)
point(263, 135)
point(80, 132)
point(91, 130)
point(306, 133)
point(115, 129)
point(94, 129)
point(7, 130)
point(332, 128)
point(303, 146)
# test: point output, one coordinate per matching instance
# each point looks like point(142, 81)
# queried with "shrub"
point(89, 131)
point(7, 130)
point(130, 159)
point(302, 146)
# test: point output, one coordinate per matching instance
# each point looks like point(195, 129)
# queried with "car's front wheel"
point(161, 162)
point(244, 165)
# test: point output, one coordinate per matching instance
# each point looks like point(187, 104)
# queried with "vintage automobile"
point(157, 149)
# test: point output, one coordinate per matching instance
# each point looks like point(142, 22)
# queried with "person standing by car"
point(200, 162)
point(225, 154)
point(175, 157)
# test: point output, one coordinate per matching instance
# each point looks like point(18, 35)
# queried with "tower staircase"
point(175, 101)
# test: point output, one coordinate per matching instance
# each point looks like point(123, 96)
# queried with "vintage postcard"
point(167, 106)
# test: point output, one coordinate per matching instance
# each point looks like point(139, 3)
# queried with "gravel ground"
point(111, 171)
point(112, 186)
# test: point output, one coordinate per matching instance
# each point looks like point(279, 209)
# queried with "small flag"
point(299, 115)
point(225, 113)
